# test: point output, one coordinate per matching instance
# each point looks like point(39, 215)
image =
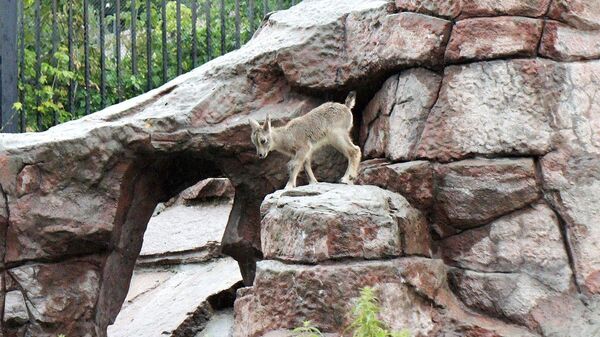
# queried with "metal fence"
point(62, 59)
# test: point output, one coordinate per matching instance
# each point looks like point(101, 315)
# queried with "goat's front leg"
point(294, 167)
point(309, 171)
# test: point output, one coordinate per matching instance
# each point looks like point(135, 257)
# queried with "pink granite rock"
point(475, 8)
point(564, 43)
point(583, 14)
point(442, 8)
point(413, 180)
point(473, 192)
point(508, 112)
point(490, 38)
point(531, 8)
point(413, 294)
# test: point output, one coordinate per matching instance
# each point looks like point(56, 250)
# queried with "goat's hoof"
point(346, 181)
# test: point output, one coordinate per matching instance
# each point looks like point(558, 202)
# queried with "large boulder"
point(527, 241)
point(473, 115)
point(473, 192)
point(526, 107)
point(332, 221)
point(365, 42)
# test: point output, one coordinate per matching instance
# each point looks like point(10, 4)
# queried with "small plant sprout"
point(307, 330)
point(366, 322)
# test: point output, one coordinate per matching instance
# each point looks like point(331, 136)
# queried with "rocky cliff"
point(482, 115)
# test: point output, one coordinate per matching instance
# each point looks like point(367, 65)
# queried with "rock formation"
point(289, 288)
point(181, 283)
point(492, 137)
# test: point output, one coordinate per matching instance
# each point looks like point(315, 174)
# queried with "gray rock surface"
point(394, 119)
point(15, 309)
point(167, 302)
point(573, 184)
point(322, 222)
point(219, 325)
point(180, 269)
point(473, 192)
point(183, 228)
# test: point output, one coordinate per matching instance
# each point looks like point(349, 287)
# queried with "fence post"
point(8, 66)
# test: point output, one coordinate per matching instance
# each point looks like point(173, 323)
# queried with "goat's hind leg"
point(343, 143)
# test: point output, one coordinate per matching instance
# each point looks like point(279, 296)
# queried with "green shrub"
point(307, 330)
point(365, 323)
point(49, 97)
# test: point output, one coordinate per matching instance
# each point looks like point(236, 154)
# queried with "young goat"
point(327, 124)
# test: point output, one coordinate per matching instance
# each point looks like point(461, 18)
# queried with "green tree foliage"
point(49, 95)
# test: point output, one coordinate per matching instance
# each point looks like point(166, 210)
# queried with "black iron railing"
point(62, 59)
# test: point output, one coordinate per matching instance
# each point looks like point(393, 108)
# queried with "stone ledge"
point(322, 222)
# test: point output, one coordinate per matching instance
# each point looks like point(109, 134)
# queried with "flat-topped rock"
point(332, 221)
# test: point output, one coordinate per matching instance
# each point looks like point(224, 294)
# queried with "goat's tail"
point(351, 100)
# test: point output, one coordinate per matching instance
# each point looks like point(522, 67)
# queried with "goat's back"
point(320, 121)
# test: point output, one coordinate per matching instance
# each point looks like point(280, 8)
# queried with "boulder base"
point(321, 222)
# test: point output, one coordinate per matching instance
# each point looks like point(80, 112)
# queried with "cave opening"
point(168, 275)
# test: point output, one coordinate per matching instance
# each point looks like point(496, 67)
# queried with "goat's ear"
point(267, 125)
point(254, 124)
